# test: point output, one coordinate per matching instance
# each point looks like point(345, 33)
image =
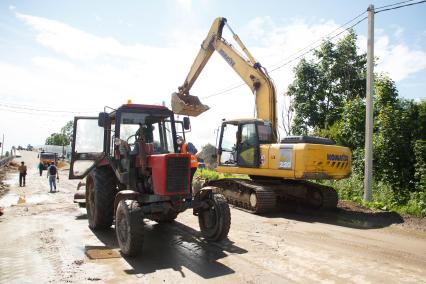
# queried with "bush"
point(416, 205)
point(213, 175)
point(420, 173)
point(384, 197)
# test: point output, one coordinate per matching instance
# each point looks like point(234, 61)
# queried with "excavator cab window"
point(248, 147)
point(265, 133)
point(239, 145)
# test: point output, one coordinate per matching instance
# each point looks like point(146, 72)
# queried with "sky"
point(60, 59)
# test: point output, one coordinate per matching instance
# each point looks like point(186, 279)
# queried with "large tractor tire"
point(129, 227)
point(216, 220)
point(100, 194)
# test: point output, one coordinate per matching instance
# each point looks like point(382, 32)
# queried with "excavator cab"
point(240, 140)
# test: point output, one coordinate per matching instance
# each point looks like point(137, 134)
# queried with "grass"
point(384, 198)
point(213, 175)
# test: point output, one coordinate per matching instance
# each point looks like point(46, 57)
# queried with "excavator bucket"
point(187, 105)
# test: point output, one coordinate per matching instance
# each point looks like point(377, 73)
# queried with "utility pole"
point(2, 146)
point(368, 172)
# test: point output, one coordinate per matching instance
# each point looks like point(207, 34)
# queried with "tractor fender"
point(125, 195)
point(199, 202)
point(205, 192)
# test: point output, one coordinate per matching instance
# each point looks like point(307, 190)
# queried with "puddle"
point(100, 252)
point(9, 200)
point(11, 181)
point(14, 199)
point(354, 223)
point(38, 198)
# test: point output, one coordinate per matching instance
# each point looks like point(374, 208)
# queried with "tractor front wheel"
point(215, 221)
point(129, 227)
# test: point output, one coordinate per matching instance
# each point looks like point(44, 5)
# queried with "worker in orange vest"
point(189, 148)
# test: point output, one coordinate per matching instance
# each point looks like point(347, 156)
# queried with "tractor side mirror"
point(103, 119)
point(186, 123)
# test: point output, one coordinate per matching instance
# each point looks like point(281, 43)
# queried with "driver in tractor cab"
point(189, 148)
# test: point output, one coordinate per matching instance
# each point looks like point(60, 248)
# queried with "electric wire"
point(390, 5)
point(377, 10)
point(301, 55)
point(320, 39)
point(32, 113)
point(23, 107)
point(398, 7)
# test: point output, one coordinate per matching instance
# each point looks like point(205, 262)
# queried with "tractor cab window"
point(151, 127)
point(169, 136)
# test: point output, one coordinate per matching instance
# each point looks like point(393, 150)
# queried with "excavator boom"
point(252, 73)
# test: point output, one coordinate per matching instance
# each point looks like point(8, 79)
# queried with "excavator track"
point(246, 194)
point(267, 195)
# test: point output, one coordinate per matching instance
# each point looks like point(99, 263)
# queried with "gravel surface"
point(45, 239)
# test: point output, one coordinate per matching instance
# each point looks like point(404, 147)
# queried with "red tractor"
point(133, 171)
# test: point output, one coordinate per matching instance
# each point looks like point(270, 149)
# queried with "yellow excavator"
point(279, 170)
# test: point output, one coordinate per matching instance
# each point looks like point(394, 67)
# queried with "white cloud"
point(398, 60)
point(185, 4)
point(87, 72)
point(78, 44)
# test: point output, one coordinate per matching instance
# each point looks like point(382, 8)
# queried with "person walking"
point(189, 148)
point(40, 168)
point(52, 173)
point(22, 173)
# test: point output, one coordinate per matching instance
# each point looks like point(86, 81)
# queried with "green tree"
point(322, 86)
point(208, 153)
point(420, 133)
point(67, 129)
point(394, 157)
point(420, 174)
point(63, 138)
point(57, 139)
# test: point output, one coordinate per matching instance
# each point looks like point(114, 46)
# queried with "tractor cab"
point(133, 172)
point(109, 135)
point(133, 140)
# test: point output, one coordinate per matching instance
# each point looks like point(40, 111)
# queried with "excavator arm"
point(250, 71)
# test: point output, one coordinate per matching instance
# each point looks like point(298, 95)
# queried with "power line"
point(398, 7)
point(390, 5)
point(301, 55)
point(315, 47)
point(22, 107)
point(30, 113)
point(321, 38)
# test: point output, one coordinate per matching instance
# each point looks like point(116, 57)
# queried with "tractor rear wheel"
point(129, 227)
point(100, 194)
point(216, 220)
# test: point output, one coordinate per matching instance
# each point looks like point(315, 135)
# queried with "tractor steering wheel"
point(128, 138)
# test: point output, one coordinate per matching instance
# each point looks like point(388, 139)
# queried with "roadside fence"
point(5, 161)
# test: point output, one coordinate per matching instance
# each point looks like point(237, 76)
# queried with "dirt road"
point(46, 240)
